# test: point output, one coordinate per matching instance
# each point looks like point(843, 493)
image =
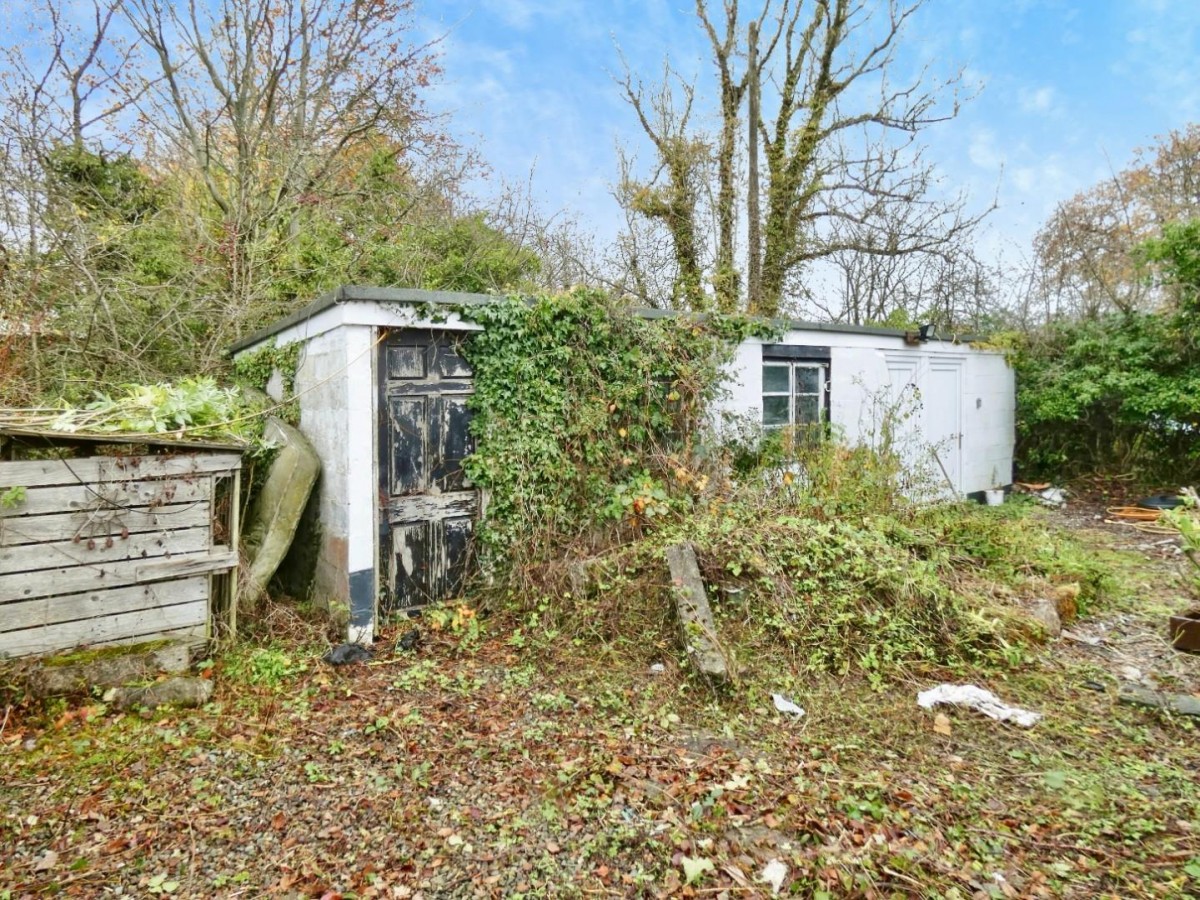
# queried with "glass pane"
point(808, 409)
point(775, 410)
point(775, 380)
point(808, 380)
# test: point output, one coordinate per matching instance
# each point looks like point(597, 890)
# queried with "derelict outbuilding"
point(382, 391)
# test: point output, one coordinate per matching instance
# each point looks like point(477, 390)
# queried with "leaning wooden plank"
point(191, 618)
point(35, 529)
point(97, 604)
point(697, 627)
point(115, 498)
point(48, 472)
point(103, 549)
point(76, 579)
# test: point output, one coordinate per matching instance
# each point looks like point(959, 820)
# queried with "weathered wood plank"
point(106, 469)
point(111, 498)
point(55, 554)
point(218, 560)
point(98, 604)
point(188, 621)
point(59, 526)
point(422, 507)
point(696, 625)
point(77, 579)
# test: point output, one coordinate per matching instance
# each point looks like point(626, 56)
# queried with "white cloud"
point(1160, 52)
point(983, 150)
point(1037, 100)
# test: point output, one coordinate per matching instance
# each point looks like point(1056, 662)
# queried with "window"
point(793, 393)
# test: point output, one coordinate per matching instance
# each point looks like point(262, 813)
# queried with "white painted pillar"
point(361, 481)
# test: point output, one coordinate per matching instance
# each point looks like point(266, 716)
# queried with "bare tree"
point(267, 98)
point(1085, 259)
point(819, 74)
point(60, 91)
point(672, 196)
point(898, 246)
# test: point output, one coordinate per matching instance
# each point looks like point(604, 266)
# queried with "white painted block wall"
point(860, 390)
point(338, 398)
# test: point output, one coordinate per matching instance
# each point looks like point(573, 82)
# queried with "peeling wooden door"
point(429, 506)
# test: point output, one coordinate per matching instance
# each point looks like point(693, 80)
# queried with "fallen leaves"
point(496, 777)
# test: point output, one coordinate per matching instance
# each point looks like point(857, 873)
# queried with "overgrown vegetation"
point(191, 407)
point(256, 368)
point(1119, 392)
point(1187, 521)
point(579, 404)
point(593, 444)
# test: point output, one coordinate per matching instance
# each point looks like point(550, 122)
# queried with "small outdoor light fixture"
point(921, 335)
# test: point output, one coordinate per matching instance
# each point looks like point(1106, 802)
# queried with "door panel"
point(428, 504)
point(943, 419)
point(406, 444)
point(927, 403)
point(451, 443)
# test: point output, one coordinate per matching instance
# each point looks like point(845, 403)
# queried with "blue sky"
point(1067, 91)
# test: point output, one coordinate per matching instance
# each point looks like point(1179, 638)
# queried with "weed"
point(379, 724)
point(12, 497)
point(456, 618)
point(267, 667)
point(416, 677)
point(314, 773)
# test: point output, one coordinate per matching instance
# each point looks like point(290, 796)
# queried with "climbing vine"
point(257, 367)
point(583, 407)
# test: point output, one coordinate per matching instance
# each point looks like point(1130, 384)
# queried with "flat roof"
point(369, 294)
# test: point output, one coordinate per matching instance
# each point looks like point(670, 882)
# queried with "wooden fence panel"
point(106, 469)
point(111, 549)
point(184, 621)
point(52, 527)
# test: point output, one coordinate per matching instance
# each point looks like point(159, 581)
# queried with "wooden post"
point(235, 524)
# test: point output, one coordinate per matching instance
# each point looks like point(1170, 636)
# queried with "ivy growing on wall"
point(580, 405)
point(257, 367)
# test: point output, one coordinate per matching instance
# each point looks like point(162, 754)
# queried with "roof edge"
point(371, 294)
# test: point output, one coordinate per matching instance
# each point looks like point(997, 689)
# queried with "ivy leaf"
point(694, 868)
point(1055, 780)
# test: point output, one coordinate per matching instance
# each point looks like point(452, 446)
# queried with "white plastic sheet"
point(784, 705)
point(977, 698)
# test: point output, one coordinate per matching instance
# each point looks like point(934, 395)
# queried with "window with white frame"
point(794, 393)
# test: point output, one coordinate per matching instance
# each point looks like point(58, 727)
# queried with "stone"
point(108, 671)
point(697, 628)
point(276, 514)
point(178, 691)
point(1045, 613)
point(1181, 704)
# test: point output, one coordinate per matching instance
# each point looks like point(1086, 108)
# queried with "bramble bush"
point(1116, 394)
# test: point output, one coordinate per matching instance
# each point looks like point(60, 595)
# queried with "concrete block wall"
point(320, 382)
point(861, 391)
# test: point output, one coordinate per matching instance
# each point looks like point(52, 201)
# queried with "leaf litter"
point(547, 770)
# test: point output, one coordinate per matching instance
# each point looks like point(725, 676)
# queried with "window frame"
point(808, 363)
